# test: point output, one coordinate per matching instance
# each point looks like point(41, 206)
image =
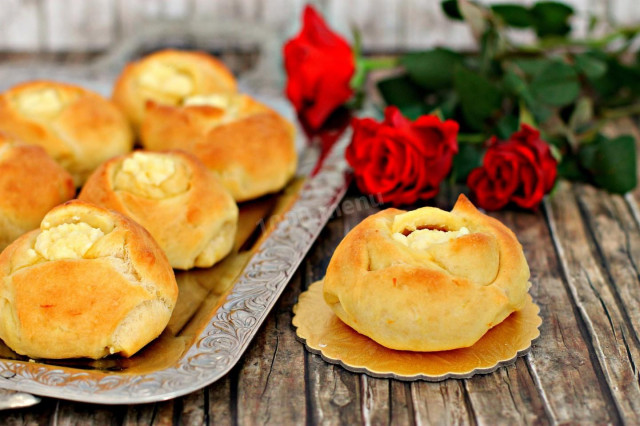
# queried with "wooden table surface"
point(583, 248)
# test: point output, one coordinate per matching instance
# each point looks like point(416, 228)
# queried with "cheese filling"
point(166, 80)
point(218, 101)
point(67, 241)
point(151, 175)
point(422, 239)
point(42, 103)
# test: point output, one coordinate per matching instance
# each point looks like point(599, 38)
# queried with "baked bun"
point(31, 184)
point(78, 128)
point(89, 283)
point(182, 204)
point(247, 144)
point(427, 280)
point(167, 77)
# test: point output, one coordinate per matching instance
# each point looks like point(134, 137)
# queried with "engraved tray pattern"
point(226, 336)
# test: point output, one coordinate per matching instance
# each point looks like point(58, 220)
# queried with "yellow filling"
point(43, 103)
point(166, 80)
point(422, 239)
point(152, 175)
point(67, 241)
point(218, 101)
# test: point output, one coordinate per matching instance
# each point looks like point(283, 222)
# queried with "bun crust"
point(78, 128)
point(247, 144)
point(114, 295)
point(445, 294)
point(194, 223)
point(31, 184)
point(166, 77)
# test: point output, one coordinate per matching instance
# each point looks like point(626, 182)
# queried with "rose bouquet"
point(505, 120)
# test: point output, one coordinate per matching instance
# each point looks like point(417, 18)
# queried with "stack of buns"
point(93, 277)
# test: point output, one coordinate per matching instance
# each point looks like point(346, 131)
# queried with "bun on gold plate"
point(427, 280)
point(78, 128)
point(167, 77)
point(88, 283)
point(31, 184)
point(171, 194)
point(247, 144)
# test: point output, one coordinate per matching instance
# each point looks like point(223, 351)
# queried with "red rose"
point(520, 170)
point(399, 160)
point(319, 66)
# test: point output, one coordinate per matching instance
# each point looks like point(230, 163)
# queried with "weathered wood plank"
point(194, 408)
point(506, 397)
point(333, 394)
point(220, 411)
point(441, 403)
point(561, 361)
point(78, 24)
point(138, 415)
point(617, 238)
point(376, 396)
point(592, 294)
point(37, 415)
point(271, 379)
point(20, 26)
point(69, 413)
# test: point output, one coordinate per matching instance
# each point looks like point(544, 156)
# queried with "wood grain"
point(592, 294)
point(78, 25)
point(561, 361)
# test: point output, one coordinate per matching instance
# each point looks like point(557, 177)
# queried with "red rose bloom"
point(519, 170)
point(399, 160)
point(319, 66)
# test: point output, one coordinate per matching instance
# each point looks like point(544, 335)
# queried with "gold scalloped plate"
point(325, 334)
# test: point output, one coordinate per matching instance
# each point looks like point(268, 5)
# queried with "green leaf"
point(479, 97)
point(570, 169)
point(413, 111)
point(450, 8)
point(582, 114)
point(506, 126)
point(431, 69)
point(611, 163)
point(531, 66)
point(468, 158)
point(618, 78)
point(551, 18)
point(556, 85)
point(401, 91)
point(475, 16)
point(447, 105)
point(525, 116)
point(589, 65)
point(513, 15)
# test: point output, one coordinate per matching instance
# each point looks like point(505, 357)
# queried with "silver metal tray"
point(220, 309)
point(218, 312)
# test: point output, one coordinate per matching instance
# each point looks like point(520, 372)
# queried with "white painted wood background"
point(90, 25)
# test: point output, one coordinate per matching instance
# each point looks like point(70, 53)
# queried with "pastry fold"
point(167, 77)
point(78, 128)
point(183, 205)
point(31, 184)
point(88, 283)
point(247, 144)
point(427, 280)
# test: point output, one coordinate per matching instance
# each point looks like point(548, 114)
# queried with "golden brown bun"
point(190, 214)
point(167, 77)
point(247, 144)
point(78, 128)
point(31, 184)
point(442, 295)
point(88, 283)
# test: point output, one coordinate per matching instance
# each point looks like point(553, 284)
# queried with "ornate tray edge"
point(222, 343)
